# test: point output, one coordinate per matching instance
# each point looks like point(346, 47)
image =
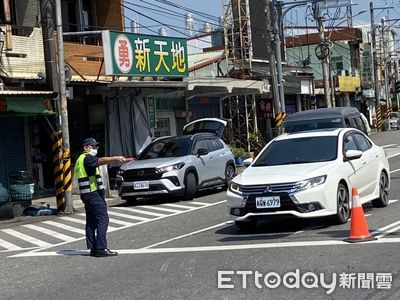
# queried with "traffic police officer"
point(91, 190)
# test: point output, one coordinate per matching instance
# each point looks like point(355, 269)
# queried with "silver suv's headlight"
point(310, 183)
point(170, 168)
point(235, 188)
point(120, 172)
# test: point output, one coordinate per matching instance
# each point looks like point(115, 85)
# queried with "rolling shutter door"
point(12, 147)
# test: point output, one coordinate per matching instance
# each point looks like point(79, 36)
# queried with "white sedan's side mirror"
point(353, 154)
point(247, 162)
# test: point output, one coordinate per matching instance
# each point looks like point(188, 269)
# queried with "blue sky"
point(173, 17)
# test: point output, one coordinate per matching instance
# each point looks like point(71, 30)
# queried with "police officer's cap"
point(90, 142)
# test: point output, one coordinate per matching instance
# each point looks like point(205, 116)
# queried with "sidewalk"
point(76, 200)
point(15, 209)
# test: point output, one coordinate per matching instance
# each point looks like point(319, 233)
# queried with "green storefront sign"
point(129, 54)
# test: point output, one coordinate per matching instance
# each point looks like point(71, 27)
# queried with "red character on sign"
point(123, 52)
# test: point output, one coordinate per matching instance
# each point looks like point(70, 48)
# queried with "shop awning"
point(224, 86)
point(25, 103)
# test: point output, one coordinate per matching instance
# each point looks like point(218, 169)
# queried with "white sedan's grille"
point(269, 188)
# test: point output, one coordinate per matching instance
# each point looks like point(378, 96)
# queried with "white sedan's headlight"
point(235, 188)
point(310, 183)
point(170, 168)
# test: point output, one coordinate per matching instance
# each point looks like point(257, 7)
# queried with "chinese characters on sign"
point(129, 54)
point(151, 109)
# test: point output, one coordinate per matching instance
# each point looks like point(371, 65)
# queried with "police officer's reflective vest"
point(87, 184)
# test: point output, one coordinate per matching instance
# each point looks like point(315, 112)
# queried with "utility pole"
point(375, 77)
point(324, 56)
point(64, 109)
point(49, 43)
point(385, 63)
point(278, 55)
point(272, 59)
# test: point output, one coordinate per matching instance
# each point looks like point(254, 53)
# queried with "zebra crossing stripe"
point(128, 216)
point(143, 212)
point(120, 222)
point(49, 232)
point(8, 245)
point(178, 206)
point(198, 203)
point(65, 227)
point(163, 209)
point(79, 221)
point(27, 238)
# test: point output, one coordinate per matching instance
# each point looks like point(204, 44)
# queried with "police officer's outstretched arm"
point(107, 160)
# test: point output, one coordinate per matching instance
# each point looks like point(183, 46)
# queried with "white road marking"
point(113, 213)
point(366, 215)
point(198, 203)
point(74, 220)
point(163, 209)
point(393, 201)
point(382, 229)
point(300, 231)
point(83, 222)
point(27, 238)
point(394, 171)
point(390, 145)
point(218, 248)
point(186, 235)
point(120, 228)
point(387, 232)
point(397, 154)
point(8, 245)
point(65, 227)
point(177, 206)
point(140, 211)
point(49, 232)
point(119, 222)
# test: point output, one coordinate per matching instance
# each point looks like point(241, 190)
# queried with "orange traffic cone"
point(358, 225)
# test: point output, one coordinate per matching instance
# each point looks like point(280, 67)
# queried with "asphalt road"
point(180, 250)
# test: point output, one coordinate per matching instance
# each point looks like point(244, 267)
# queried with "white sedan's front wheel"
point(343, 204)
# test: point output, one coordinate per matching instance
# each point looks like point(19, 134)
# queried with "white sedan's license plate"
point(141, 185)
point(268, 202)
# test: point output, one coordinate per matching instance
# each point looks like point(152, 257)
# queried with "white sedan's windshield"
point(299, 150)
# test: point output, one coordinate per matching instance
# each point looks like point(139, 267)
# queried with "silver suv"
point(178, 166)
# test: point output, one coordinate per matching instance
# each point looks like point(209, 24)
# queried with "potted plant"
point(257, 142)
point(240, 155)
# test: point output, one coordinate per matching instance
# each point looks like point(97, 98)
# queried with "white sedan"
point(310, 174)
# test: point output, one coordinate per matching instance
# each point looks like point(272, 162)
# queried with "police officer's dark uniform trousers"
point(92, 194)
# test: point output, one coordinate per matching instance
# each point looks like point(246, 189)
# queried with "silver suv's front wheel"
point(190, 186)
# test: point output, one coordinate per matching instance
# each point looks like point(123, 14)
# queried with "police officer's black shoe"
point(104, 253)
point(92, 252)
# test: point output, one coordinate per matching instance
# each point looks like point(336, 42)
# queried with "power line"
point(166, 25)
point(153, 31)
point(164, 9)
point(166, 2)
point(163, 14)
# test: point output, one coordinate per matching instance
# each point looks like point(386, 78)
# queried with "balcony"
point(25, 59)
point(83, 53)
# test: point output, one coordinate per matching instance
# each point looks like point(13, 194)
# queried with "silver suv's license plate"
point(141, 185)
point(268, 202)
